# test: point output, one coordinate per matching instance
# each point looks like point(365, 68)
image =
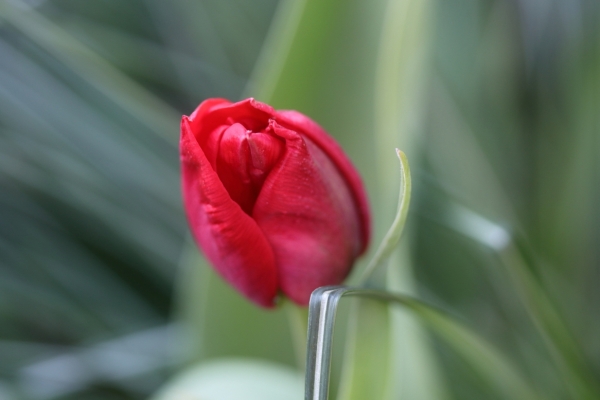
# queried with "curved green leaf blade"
point(392, 237)
point(487, 362)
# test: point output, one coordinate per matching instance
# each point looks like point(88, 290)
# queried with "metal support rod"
point(321, 320)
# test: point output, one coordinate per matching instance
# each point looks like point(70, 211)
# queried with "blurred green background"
point(495, 102)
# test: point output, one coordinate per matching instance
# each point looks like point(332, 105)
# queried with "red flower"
point(271, 199)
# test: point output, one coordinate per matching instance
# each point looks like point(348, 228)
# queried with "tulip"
point(271, 199)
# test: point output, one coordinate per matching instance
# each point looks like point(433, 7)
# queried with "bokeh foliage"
point(495, 102)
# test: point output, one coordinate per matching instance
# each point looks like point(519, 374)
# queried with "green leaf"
point(235, 379)
point(392, 238)
point(368, 380)
point(366, 368)
point(564, 349)
point(401, 77)
point(486, 361)
point(366, 361)
point(97, 71)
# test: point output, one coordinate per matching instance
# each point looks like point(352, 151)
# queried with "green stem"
point(298, 319)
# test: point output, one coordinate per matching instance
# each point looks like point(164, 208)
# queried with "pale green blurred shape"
point(235, 379)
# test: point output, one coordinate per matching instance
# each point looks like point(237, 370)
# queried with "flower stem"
point(298, 319)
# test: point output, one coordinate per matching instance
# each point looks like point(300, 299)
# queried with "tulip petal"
point(205, 107)
point(265, 152)
point(208, 139)
point(252, 114)
point(307, 213)
point(200, 115)
point(229, 238)
point(301, 123)
point(233, 167)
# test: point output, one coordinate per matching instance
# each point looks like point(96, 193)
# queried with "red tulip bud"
point(272, 200)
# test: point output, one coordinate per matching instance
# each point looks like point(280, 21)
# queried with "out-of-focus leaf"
point(215, 315)
point(561, 344)
point(103, 76)
point(487, 362)
point(403, 67)
point(365, 371)
point(234, 379)
point(366, 363)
